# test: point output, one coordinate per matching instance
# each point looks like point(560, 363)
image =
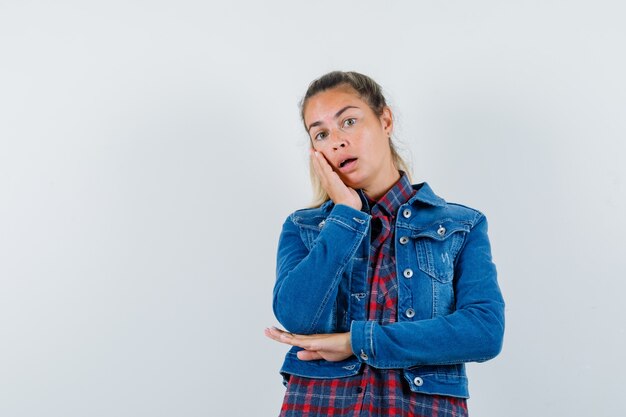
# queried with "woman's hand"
point(339, 192)
point(331, 347)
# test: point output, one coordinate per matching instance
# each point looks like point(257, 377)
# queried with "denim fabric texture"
point(450, 308)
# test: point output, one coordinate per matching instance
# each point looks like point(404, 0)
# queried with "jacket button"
point(408, 273)
point(322, 223)
point(404, 240)
point(409, 312)
point(406, 213)
point(441, 231)
point(418, 381)
point(363, 355)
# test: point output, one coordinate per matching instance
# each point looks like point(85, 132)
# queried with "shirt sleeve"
point(473, 332)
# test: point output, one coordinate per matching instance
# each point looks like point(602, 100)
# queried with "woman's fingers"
point(332, 347)
point(321, 168)
point(305, 342)
point(282, 336)
point(315, 342)
point(307, 355)
point(277, 334)
point(336, 189)
point(325, 171)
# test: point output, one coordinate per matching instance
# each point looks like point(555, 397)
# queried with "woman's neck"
point(382, 184)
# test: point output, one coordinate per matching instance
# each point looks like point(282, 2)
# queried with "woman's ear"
point(386, 120)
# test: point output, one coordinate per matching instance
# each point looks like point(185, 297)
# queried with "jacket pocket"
point(310, 229)
point(437, 247)
point(438, 379)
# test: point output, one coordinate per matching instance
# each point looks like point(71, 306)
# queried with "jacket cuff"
point(349, 217)
point(362, 340)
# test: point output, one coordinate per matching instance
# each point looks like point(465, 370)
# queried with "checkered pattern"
point(374, 392)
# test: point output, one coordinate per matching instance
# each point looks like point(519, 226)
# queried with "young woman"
point(385, 289)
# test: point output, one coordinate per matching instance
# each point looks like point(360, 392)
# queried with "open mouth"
point(346, 162)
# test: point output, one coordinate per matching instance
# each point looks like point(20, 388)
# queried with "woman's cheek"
point(319, 147)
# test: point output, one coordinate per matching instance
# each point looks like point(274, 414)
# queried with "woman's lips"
point(348, 164)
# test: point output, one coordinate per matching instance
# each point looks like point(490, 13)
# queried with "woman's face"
point(354, 140)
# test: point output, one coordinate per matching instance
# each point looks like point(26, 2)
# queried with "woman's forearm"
point(473, 332)
point(307, 280)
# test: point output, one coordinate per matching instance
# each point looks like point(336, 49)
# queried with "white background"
point(150, 151)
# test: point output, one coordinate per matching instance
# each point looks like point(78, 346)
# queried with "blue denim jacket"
point(450, 309)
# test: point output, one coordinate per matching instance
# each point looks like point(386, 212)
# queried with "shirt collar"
point(391, 201)
point(423, 194)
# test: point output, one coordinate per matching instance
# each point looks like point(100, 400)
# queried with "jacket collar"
point(423, 194)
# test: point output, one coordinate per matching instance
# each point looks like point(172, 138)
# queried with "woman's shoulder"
point(446, 208)
point(465, 211)
point(312, 211)
point(310, 216)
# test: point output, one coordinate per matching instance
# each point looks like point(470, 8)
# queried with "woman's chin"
point(354, 180)
point(352, 183)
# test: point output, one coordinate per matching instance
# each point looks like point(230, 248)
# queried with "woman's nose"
point(337, 141)
point(340, 144)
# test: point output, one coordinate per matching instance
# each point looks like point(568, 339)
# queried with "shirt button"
point(441, 231)
point(408, 273)
point(409, 312)
point(404, 240)
point(406, 213)
point(418, 381)
point(322, 223)
point(363, 355)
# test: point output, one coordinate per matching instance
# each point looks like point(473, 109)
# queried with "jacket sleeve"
point(307, 280)
point(473, 332)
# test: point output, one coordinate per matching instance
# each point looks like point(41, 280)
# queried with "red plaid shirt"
point(374, 392)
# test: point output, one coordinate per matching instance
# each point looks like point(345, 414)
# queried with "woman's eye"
point(320, 136)
point(349, 122)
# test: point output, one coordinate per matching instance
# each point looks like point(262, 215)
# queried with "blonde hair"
point(370, 92)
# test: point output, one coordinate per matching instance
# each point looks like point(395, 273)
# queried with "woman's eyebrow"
point(312, 125)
